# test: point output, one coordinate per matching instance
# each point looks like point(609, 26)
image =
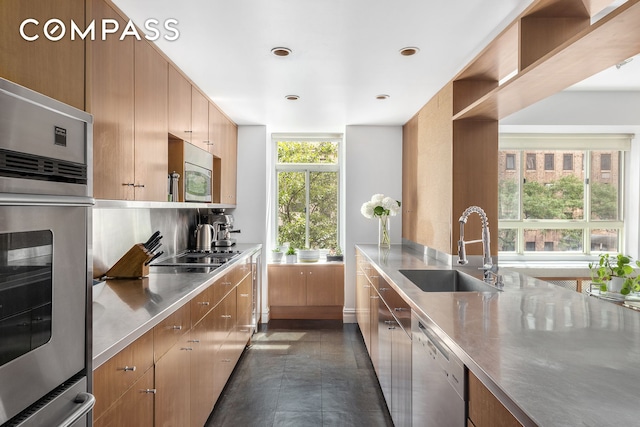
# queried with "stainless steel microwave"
point(195, 167)
point(197, 183)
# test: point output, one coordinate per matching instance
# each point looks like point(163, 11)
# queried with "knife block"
point(132, 264)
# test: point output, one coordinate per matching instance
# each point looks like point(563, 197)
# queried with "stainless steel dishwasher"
point(438, 381)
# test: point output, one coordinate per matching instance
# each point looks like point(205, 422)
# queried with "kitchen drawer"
point(167, 332)
point(134, 408)
point(112, 379)
point(398, 307)
point(202, 304)
point(223, 286)
point(244, 293)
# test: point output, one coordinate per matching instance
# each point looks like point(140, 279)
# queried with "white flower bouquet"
point(379, 206)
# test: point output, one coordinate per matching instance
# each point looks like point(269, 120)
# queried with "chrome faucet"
point(487, 263)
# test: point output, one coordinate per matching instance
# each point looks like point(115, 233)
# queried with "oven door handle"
point(87, 401)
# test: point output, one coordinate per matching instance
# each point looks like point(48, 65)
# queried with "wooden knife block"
point(132, 264)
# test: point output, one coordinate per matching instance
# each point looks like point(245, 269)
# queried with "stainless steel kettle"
point(204, 237)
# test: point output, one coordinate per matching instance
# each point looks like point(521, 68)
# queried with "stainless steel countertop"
point(127, 309)
point(565, 359)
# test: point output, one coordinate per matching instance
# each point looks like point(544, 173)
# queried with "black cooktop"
point(213, 258)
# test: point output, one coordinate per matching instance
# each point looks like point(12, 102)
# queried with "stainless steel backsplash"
point(116, 230)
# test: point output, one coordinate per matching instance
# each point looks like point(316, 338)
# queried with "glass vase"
point(384, 241)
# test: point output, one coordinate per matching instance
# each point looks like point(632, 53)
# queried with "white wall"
point(373, 164)
point(593, 112)
point(250, 215)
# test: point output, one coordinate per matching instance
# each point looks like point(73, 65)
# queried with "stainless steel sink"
point(446, 281)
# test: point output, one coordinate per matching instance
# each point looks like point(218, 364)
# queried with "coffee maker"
point(222, 227)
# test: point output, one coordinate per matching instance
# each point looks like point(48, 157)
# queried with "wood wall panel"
point(475, 179)
point(410, 178)
point(434, 172)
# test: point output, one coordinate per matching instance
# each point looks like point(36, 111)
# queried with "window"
point(531, 161)
point(307, 179)
point(573, 210)
point(510, 162)
point(548, 162)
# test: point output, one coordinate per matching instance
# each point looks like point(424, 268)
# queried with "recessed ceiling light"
point(292, 97)
point(281, 51)
point(409, 51)
point(382, 96)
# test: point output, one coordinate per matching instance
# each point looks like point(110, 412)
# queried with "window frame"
point(565, 142)
point(306, 168)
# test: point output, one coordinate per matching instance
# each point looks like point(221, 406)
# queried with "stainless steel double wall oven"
point(45, 268)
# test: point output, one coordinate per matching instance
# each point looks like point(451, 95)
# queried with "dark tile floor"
point(303, 374)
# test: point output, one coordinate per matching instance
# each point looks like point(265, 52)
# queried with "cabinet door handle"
point(176, 327)
point(244, 295)
point(302, 272)
point(128, 184)
point(129, 368)
point(186, 348)
point(401, 309)
point(384, 289)
point(139, 185)
point(203, 302)
point(226, 316)
point(149, 390)
point(375, 297)
point(389, 322)
point(366, 286)
point(226, 283)
point(195, 341)
point(226, 360)
point(188, 131)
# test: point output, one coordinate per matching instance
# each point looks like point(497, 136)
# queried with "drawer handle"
point(195, 341)
point(366, 286)
point(128, 184)
point(186, 348)
point(176, 327)
point(226, 316)
point(244, 295)
point(203, 302)
point(149, 390)
point(401, 309)
point(139, 185)
point(226, 360)
point(384, 289)
point(129, 368)
point(226, 283)
point(389, 322)
point(244, 330)
point(375, 297)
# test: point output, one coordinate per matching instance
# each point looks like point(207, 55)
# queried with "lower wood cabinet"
point(298, 291)
point(174, 374)
point(485, 410)
point(134, 408)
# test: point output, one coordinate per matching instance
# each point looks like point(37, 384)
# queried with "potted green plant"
point(291, 255)
point(276, 254)
point(615, 274)
point(335, 255)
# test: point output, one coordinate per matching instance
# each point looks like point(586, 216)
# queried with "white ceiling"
point(345, 52)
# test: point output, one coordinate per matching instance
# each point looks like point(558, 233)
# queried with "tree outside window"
point(308, 182)
point(570, 210)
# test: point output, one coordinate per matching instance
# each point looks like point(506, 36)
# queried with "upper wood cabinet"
point(54, 69)
point(199, 119)
point(216, 130)
point(229, 164)
point(179, 105)
point(128, 98)
point(111, 102)
point(150, 124)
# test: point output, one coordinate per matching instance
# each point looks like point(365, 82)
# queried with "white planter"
point(276, 256)
point(291, 259)
point(615, 285)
